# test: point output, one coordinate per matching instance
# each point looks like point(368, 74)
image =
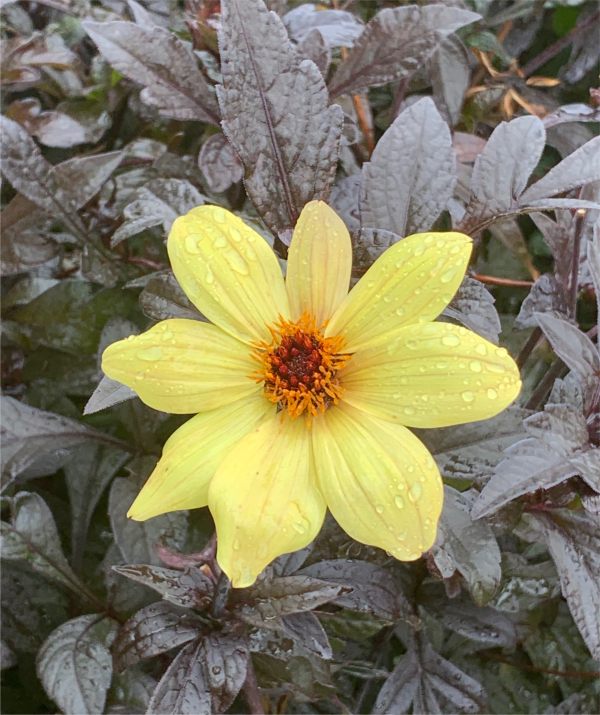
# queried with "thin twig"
point(251, 691)
point(548, 671)
point(540, 392)
point(529, 347)
point(560, 44)
point(580, 215)
point(495, 281)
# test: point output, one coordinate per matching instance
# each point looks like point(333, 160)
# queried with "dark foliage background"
point(119, 116)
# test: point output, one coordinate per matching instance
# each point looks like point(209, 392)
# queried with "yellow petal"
point(228, 272)
point(380, 483)
point(319, 263)
point(432, 375)
point(191, 456)
point(412, 282)
point(183, 366)
point(264, 500)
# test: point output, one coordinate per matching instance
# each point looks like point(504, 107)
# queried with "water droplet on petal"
point(192, 243)
point(415, 492)
point(468, 396)
point(451, 341)
point(492, 394)
point(475, 366)
point(379, 509)
point(447, 276)
point(399, 502)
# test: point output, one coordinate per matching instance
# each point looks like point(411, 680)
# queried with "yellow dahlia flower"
point(304, 391)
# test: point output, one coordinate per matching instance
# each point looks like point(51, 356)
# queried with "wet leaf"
point(284, 595)
point(572, 346)
point(430, 683)
point(313, 46)
point(395, 43)
point(205, 676)
point(155, 629)
point(545, 296)
point(467, 546)
point(163, 298)
point(219, 163)
point(158, 203)
point(108, 393)
point(51, 128)
point(473, 306)
point(162, 64)
point(338, 28)
point(75, 663)
point(307, 631)
point(188, 589)
point(579, 168)
point(574, 545)
point(38, 442)
point(32, 606)
point(87, 473)
point(450, 76)
point(411, 175)
point(504, 166)
point(32, 536)
point(275, 114)
point(137, 539)
point(374, 590)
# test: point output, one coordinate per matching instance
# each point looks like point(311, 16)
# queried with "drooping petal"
point(192, 454)
point(228, 271)
point(412, 282)
point(264, 500)
point(380, 483)
point(319, 263)
point(432, 375)
point(183, 366)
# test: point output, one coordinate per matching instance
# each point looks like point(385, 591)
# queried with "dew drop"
point(492, 394)
point(408, 410)
point(399, 312)
point(475, 366)
point(399, 502)
point(447, 276)
point(415, 492)
point(220, 241)
point(480, 349)
point(209, 277)
point(237, 263)
point(236, 545)
point(468, 396)
point(379, 509)
point(192, 244)
point(451, 341)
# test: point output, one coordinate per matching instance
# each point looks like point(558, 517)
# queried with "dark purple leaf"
point(572, 346)
point(219, 163)
point(75, 664)
point(314, 47)
point(189, 588)
point(162, 63)
point(545, 296)
point(108, 393)
point(137, 540)
point(374, 590)
point(163, 298)
point(155, 629)
point(473, 306)
point(411, 175)
point(337, 27)
point(275, 114)
point(579, 168)
point(307, 631)
point(450, 76)
point(395, 43)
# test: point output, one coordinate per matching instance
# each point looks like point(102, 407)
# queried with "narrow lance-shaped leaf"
point(39, 441)
point(275, 114)
point(32, 536)
point(411, 175)
point(153, 630)
point(205, 676)
point(572, 346)
point(162, 63)
point(395, 43)
point(502, 169)
point(190, 588)
point(75, 664)
point(579, 168)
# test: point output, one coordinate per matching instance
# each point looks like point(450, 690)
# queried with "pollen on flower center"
point(300, 367)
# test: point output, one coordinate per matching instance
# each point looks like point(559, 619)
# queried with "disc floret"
point(300, 367)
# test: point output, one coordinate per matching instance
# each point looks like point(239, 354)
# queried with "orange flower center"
point(300, 367)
